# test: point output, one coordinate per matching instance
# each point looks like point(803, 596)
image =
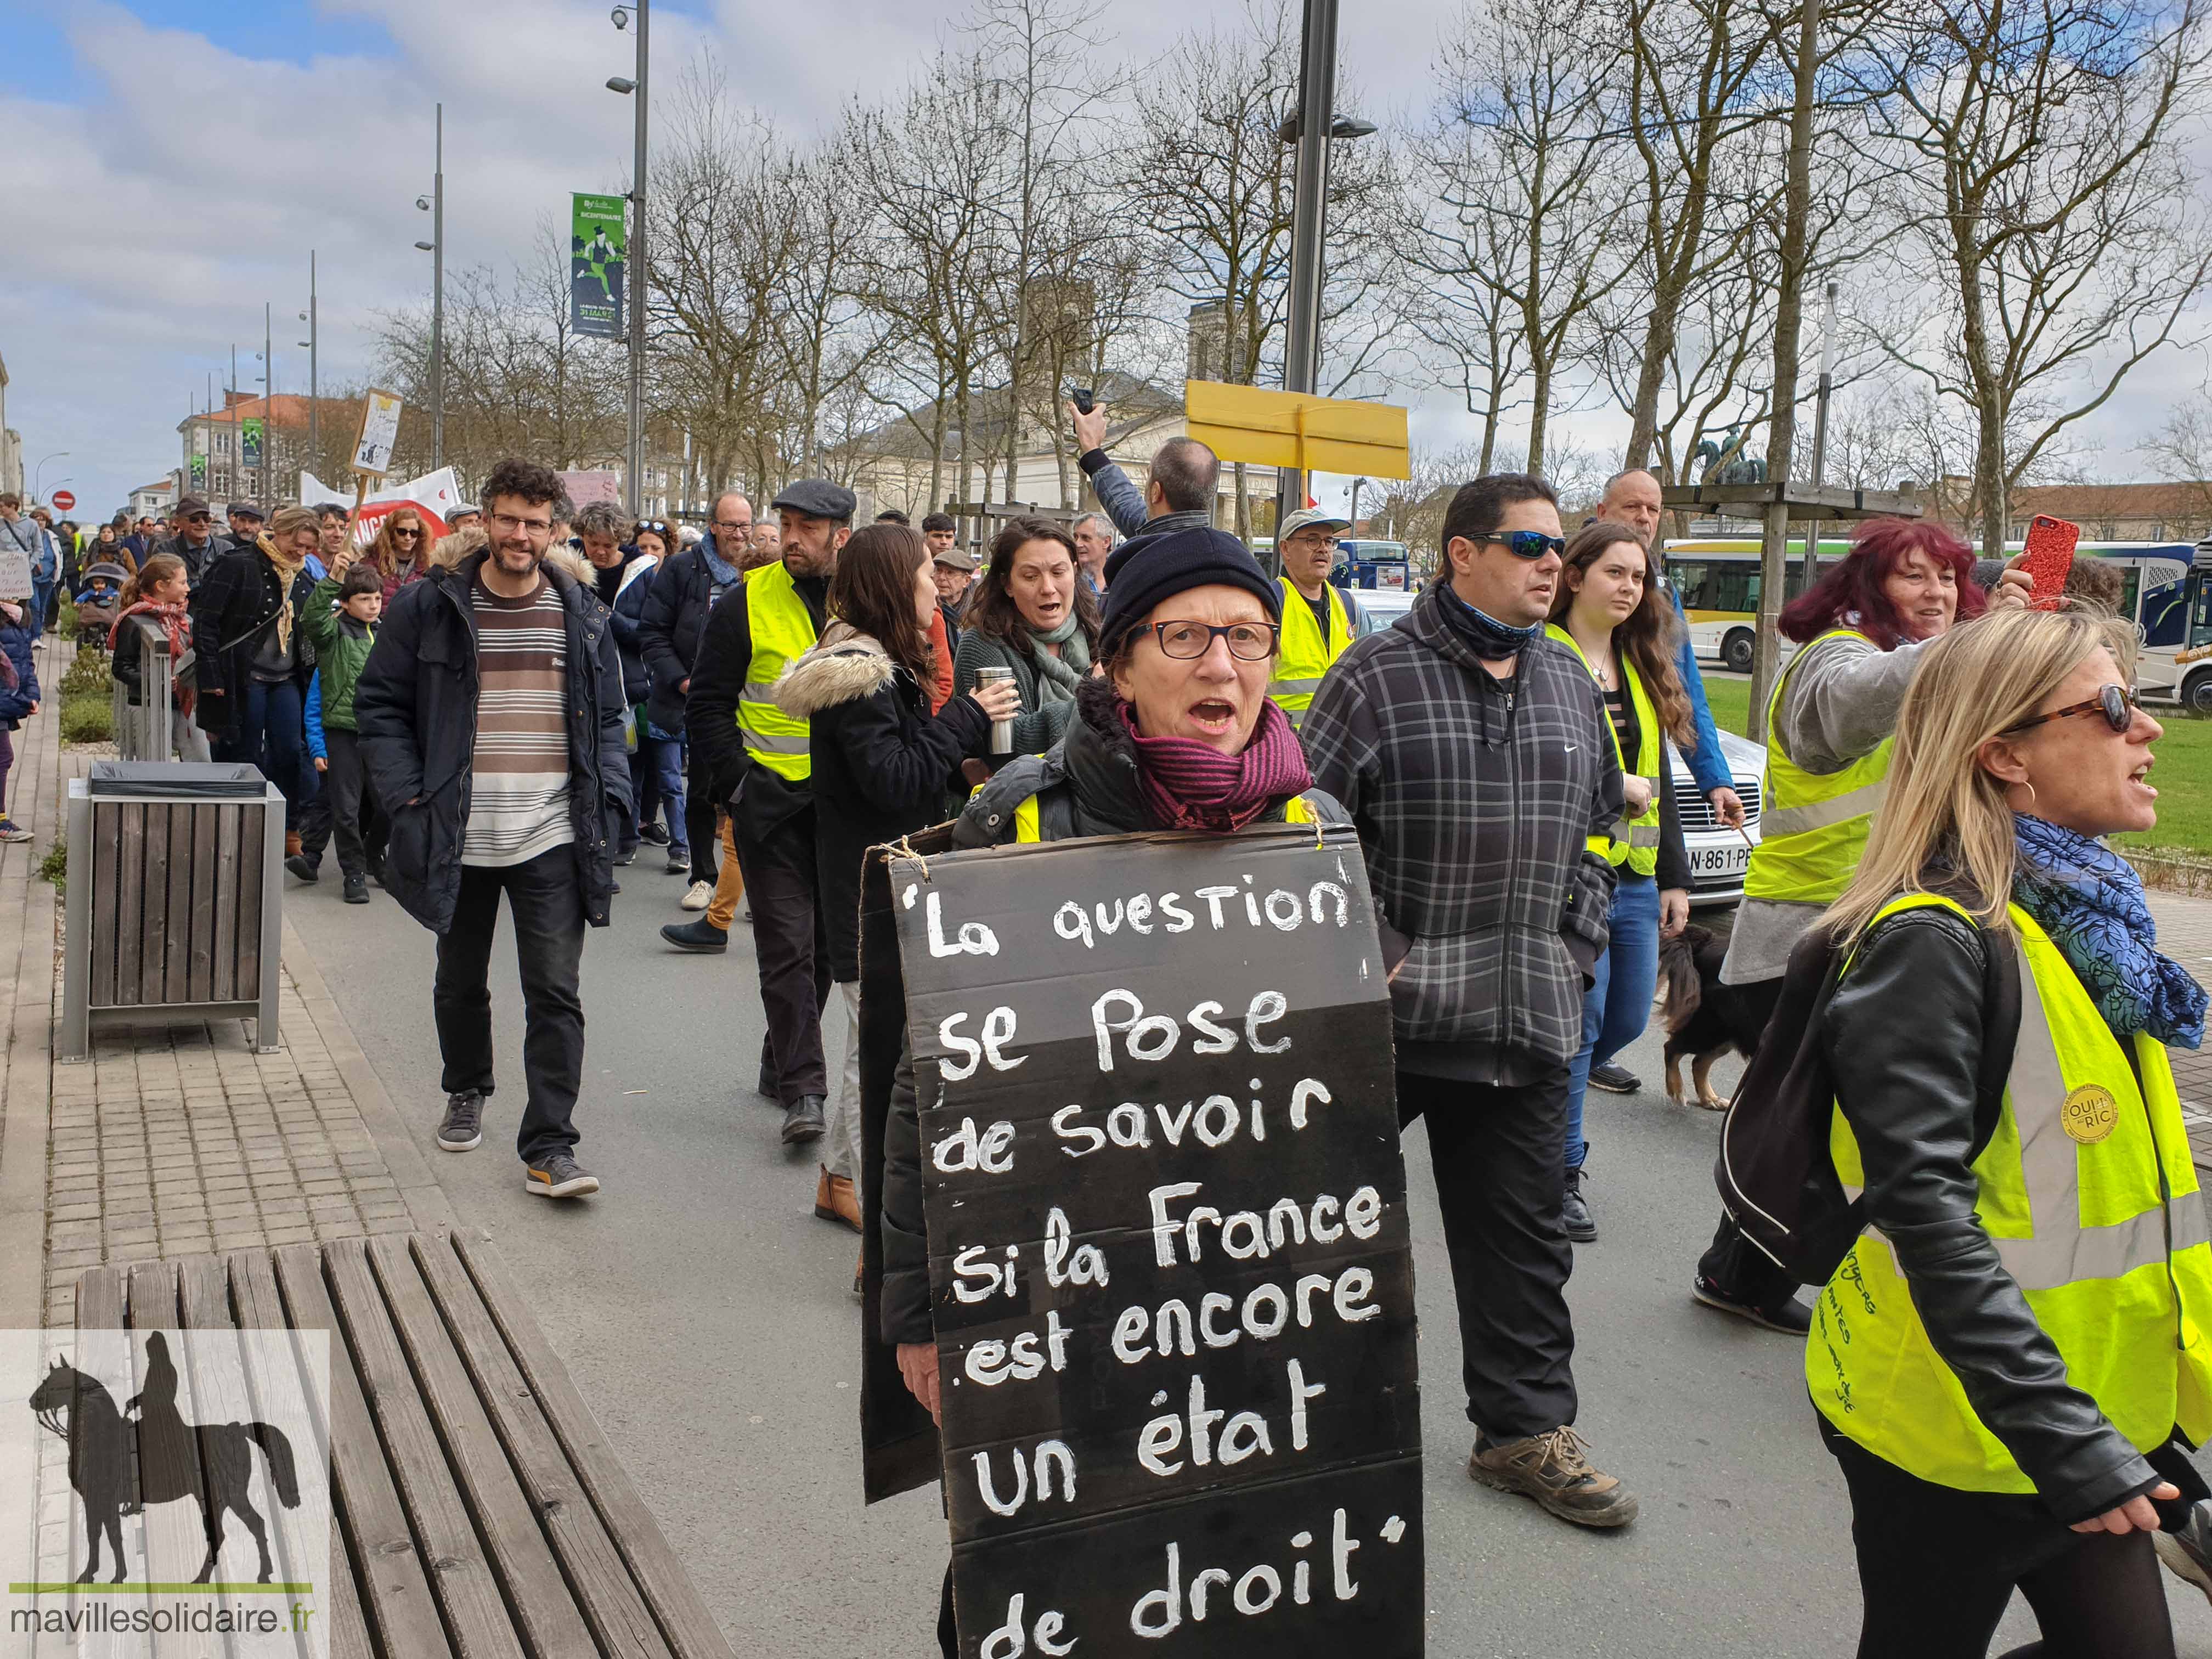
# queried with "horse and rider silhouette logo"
point(211, 1463)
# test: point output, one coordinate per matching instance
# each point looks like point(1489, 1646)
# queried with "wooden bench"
point(479, 1511)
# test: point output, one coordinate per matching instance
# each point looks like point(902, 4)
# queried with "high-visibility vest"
point(1027, 827)
point(1633, 842)
point(2087, 1191)
point(1813, 825)
point(783, 632)
point(1306, 656)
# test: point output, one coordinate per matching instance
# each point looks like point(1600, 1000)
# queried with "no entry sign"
point(1171, 1273)
point(64, 500)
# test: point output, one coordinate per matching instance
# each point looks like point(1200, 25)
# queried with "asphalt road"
point(706, 1316)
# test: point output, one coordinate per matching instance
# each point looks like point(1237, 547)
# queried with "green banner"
point(599, 248)
point(249, 443)
point(199, 472)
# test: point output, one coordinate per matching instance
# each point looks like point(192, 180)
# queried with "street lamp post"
point(311, 345)
point(634, 480)
point(268, 405)
point(38, 472)
point(1311, 129)
point(434, 205)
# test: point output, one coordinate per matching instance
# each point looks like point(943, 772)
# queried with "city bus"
point(1718, 580)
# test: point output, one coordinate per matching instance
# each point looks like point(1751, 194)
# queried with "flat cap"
point(817, 498)
point(956, 558)
point(188, 505)
point(245, 510)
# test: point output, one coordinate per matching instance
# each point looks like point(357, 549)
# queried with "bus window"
point(2200, 627)
point(2165, 612)
point(2130, 591)
point(1689, 577)
point(1733, 587)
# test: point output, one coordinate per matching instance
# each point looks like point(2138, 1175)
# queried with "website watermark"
point(163, 1484)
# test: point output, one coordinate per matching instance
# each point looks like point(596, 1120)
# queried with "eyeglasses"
point(199, 518)
point(507, 524)
point(403, 530)
point(1186, 642)
point(734, 524)
point(2117, 704)
point(654, 526)
point(1530, 544)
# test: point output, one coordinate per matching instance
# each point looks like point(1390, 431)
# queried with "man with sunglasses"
point(194, 541)
point(1476, 758)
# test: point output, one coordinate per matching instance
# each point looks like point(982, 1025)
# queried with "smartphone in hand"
point(2048, 557)
point(1084, 397)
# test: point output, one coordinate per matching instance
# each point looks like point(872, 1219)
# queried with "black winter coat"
point(880, 763)
point(236, 602)
point(416, 709)
point(1085, 785)
point(624, 611)
point(673, 617)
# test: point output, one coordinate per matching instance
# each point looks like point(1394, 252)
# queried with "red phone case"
point(2048, 556)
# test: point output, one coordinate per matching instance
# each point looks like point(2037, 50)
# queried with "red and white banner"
point(433, 496)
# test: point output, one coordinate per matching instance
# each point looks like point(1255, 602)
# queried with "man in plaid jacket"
point(1474, 756)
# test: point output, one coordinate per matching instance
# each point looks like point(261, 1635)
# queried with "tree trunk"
point(1990, 401)
point(1789, 325)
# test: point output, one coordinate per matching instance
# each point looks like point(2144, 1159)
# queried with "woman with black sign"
point(880, 762)
point(1177, 734)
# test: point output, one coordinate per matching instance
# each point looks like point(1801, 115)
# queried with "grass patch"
point(2184, 773)
point(88, 717)
point(54, 867)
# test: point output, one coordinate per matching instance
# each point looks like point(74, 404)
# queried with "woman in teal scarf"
point(1029, 614)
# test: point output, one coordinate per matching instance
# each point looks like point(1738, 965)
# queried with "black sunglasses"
point(1530, 544)
point(2117, 704)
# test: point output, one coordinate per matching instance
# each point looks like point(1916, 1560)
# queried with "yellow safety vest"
point(1297, 810)
point(1305, 655)
point(2089, 1195)
point(1813, 825)
point(1633, 842)
point(782, 633)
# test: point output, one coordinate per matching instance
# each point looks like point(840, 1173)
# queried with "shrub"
point(65, 624)
point(87, 674)
point(88, 717)
point(54, 867)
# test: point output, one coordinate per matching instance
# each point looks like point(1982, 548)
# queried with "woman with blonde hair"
point(2011, 1356)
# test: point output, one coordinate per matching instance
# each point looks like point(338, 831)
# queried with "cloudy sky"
point(167, 167)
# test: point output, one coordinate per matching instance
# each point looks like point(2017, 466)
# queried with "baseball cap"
point(1304, 517)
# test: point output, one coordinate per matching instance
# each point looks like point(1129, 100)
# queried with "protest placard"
point(1170, 1271)
point(380, 433)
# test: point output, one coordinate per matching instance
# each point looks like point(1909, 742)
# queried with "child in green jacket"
point(339, 617)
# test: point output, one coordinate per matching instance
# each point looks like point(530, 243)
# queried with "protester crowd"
point(526, 707)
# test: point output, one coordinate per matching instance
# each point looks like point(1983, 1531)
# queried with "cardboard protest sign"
point(1171, 1269)
point(380, 433)
point(14, 572)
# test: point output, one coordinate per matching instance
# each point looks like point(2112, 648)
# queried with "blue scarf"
point(719, 568)
point(2090, 901)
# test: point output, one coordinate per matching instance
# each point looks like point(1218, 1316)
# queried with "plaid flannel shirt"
point(1475, 797)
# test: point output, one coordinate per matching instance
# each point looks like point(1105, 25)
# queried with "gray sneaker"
point(558, 1176)
point(462, 1127)
point(2188, 1553)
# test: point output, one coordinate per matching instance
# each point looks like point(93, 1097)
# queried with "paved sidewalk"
point(2185, 932)
point(174, 1139)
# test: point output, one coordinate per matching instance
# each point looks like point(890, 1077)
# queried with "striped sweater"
point(519, 798)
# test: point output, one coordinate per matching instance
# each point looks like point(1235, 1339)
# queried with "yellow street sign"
point(1296, 429)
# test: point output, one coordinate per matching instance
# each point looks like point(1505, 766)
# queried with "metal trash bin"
point(174, 905)
point(142, 729)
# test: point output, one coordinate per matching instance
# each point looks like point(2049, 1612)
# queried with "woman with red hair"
point(1829, 730)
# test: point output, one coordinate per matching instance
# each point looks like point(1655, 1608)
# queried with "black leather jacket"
point(1904, 1035)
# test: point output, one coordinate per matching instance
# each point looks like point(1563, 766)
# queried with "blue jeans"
point(1618, 1001)
point(660, 776)
point(273, 736)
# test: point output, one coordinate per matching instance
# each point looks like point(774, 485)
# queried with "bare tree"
point(2043, 169)
point(1526, 174)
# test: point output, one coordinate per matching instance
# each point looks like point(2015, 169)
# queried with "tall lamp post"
point(634, 253)
point(1311, 128)
point(38, 472)
point(434, 205)
point(310, 345)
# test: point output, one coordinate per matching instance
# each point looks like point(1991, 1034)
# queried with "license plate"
point(1719, 861)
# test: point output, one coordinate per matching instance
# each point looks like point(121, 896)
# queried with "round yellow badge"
point(2090, 1114)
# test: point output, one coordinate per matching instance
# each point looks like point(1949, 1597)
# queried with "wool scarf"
point(1189, 784)
point(2090, 901)
point(288, 572)
point(1058, 677)
point(176, 622)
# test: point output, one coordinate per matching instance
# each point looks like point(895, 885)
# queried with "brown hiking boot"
point(1552, 1469)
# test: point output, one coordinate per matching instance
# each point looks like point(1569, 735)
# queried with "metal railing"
point(143, 729)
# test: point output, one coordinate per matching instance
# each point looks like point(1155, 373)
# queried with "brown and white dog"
point(1704, 1018)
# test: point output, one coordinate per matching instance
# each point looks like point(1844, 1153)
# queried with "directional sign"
point(1297, 429)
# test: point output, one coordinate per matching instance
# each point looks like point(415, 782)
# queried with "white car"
point(1719, 855)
